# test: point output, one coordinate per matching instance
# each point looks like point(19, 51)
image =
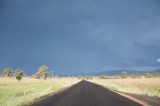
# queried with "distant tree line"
point(42, 73)
point(125, 74)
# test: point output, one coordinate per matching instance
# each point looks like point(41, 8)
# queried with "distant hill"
point(156, 71)
point(114, 72)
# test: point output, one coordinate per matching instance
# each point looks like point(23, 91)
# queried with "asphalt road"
point(86, 93)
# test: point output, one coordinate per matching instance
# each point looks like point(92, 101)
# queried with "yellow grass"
point(13, 92)
point(142, 86)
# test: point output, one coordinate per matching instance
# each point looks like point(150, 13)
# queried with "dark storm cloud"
point(78, 36)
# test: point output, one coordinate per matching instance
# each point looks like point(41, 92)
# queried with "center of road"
point(86, 93)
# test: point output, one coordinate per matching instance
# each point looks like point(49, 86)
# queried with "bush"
point(124, 74)
point(19, 74)
point(148, 75)
point(103, 77)
point(135, 76)
point(157, 75)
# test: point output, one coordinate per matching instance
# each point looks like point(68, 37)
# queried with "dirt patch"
point(142, 99)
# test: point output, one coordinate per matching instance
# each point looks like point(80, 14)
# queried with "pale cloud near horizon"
point(158, 60)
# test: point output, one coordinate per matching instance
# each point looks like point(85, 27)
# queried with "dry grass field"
point(142, 86)
point(13, 92)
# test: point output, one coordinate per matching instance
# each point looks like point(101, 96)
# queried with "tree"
point(1, 74)
point(135, 75)
point(124, 74)
point(50, 74)
point(7, 72)
point(103, 77)
point(19, 74)
point(42, 72)
point(148, 75)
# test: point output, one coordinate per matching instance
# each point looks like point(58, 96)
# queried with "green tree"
point(42, 72)
point(1, 74)
point(49, 75)
point(7, 72)
point(148, 75)
point(124, 74)
point(135, 75)
point(103, 77)
point(19, 74)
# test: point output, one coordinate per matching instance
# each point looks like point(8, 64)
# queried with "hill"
point(113, 73)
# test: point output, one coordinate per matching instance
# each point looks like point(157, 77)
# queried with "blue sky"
point(76, 36)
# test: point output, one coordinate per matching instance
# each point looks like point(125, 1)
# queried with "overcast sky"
point(72, 36)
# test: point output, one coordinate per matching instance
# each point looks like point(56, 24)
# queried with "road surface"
point(86, 93)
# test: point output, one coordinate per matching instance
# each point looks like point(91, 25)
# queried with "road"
point(86, 93)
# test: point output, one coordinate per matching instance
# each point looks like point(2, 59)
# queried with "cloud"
point(85, 35)
point(158, 60)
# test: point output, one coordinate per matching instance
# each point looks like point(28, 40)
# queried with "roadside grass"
point(14, 93)
point(141, 86)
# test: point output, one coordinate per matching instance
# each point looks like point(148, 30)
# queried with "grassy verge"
point(13, 93)
point(142, 86)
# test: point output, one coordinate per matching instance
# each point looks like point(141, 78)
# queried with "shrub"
point(124, 74)
point(148, 75)
point(103, 77)
point(19, 74)
point(135, 76)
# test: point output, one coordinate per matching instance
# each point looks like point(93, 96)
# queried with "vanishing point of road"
point(86, 93)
